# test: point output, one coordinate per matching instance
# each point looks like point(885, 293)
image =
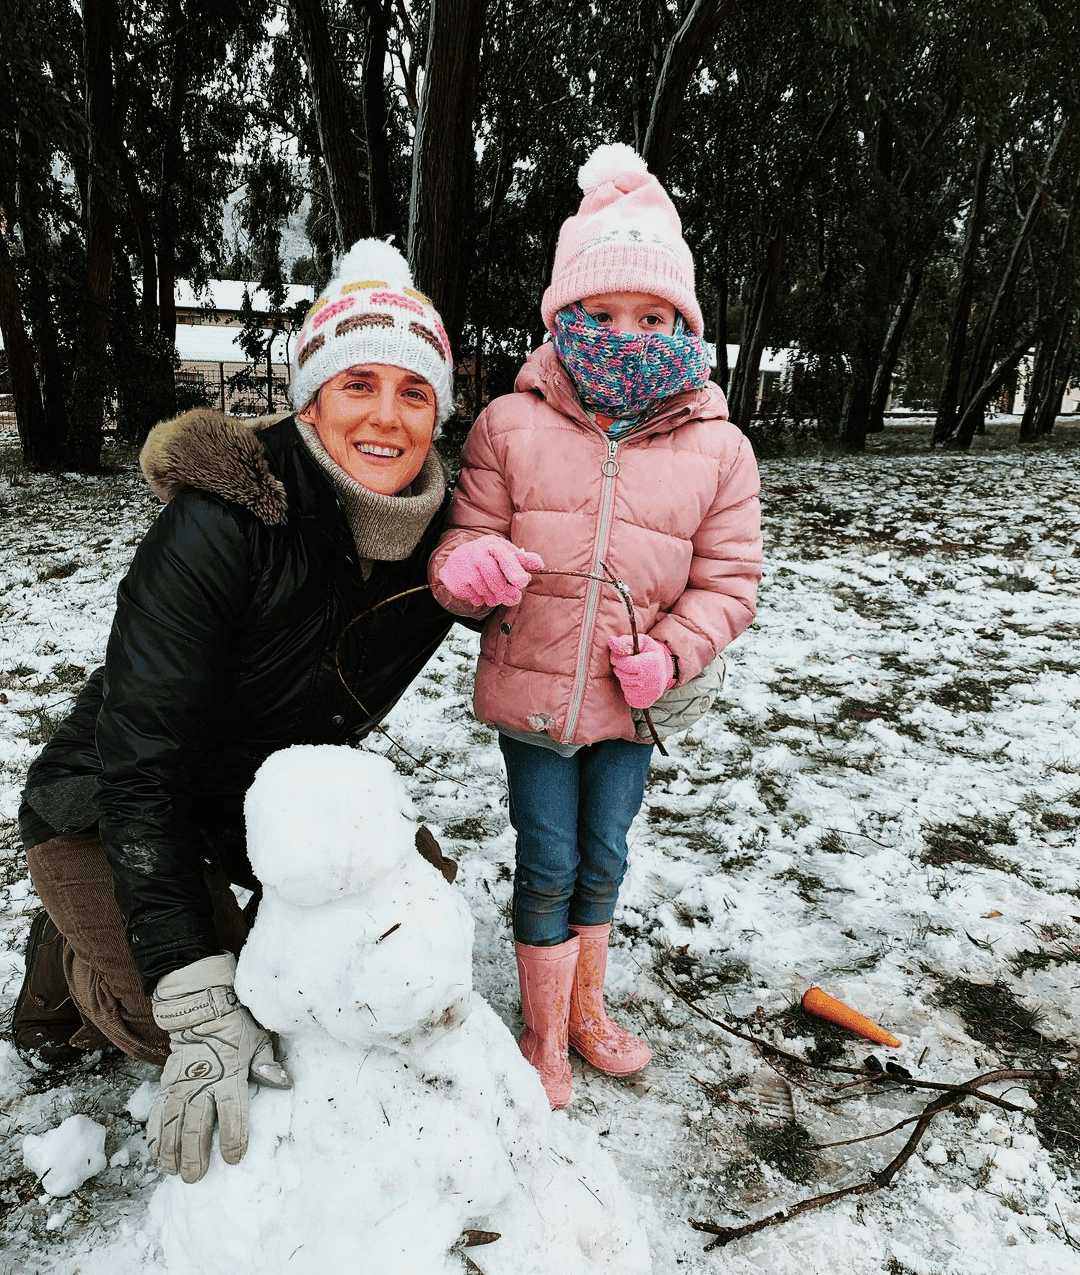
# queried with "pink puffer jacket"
point(671, 511)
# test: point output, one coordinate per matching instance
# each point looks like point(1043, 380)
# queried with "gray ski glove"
point(215, 1045)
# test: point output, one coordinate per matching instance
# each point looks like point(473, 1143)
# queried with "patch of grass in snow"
point(58, 571)
point(773, 791)
point(69, 674)
point(1058, 821)
point(471, 829)
point(894, 1266)
point(786, 1147)
point(832, 842)
point(970, 843)
point(808, 886)
point(665, 815)
point(1020, 962)
point(1014, 582)
point(861, 710)
point(830, 1041)
point(12, 863)
point(41, 723)
point(695, 979)
point(966, 694)
point(869, 606)
point(689, 916)
point(13, 675)
point(992, 1014)
point(1057, 1119)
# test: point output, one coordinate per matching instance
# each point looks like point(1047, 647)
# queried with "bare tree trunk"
point(172, 160)
point(974, 410)
point(876, 299)
point(890, 352)
point(681, 60)
point(53, 368)
point(29, 412)
point(385, 207)
point(443, 154)
point(759, 314)
point(755, 332)
point(722, 372)
point(981, 374)
point(948, 402)
point(333, 117)
point(1053, 354)
point(1049, 378)
point(88, 392)
point(1060, 376)
point(144, 233)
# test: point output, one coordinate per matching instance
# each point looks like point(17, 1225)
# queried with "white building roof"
point(228, 294)
point(211, 343)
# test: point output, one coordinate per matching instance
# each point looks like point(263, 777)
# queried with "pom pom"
point(374, 259)
point(606, 163)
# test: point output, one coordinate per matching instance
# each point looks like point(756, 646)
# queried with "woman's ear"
point(310, 414)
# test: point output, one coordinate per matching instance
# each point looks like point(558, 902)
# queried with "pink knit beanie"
point(625, 237)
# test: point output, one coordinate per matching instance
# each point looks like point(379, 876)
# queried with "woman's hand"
point(643, 677)
point(215, 1048)
point(489, 572)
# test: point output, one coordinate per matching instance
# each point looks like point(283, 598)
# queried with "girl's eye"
point(601, 316)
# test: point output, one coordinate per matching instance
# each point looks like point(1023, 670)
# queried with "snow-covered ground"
point(886, 804)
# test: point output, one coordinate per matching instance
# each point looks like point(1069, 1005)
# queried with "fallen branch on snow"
point(951, 1095)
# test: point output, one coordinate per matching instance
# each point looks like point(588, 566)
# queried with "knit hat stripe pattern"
point(370, 312)
point(625, 237)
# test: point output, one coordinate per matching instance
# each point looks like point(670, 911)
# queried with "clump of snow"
point(413, 1115)
point(67, 1156)
point(139, 1104)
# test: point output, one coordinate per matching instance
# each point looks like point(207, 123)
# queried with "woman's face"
point(631, 312)
point(376, 421)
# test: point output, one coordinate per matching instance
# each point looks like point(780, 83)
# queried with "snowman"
point(414, 1127)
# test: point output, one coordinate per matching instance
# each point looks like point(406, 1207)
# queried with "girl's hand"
point(489, 572)
point(643, 677)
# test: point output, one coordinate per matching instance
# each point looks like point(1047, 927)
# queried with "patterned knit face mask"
point(626, 373)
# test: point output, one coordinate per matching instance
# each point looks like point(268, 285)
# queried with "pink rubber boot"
point(593, 1035)
point(546, 975)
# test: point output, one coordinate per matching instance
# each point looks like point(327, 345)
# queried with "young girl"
point(612, 458)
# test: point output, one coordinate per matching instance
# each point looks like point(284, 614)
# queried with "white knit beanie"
point(370, 312)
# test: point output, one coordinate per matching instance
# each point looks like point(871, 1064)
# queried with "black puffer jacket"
point(223, 651)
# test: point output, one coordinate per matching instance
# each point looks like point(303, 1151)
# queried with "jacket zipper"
point(610, 470)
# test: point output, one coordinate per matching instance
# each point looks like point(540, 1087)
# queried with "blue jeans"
point(571, 815)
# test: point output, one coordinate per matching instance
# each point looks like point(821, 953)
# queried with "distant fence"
point(235, 388)
point(232, 387)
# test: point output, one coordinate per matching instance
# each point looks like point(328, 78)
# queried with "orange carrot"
point(815, 1001)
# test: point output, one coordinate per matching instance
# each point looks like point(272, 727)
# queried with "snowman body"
point(413, 1117)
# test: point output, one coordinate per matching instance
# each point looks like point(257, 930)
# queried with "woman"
point(235, 634)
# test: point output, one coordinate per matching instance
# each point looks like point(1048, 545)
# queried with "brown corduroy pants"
point(75, 886)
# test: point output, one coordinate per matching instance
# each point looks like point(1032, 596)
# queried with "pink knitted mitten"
point(643, 677)
point(489, 572)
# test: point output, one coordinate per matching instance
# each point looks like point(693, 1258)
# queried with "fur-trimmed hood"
point(217, 453)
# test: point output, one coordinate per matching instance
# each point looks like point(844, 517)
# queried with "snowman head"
point(357, 935)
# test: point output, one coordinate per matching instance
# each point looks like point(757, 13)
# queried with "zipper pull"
point(610, 467)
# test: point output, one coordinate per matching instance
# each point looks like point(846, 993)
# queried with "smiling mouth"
point(373, 449)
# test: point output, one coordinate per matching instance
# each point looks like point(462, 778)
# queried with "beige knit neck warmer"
point(384, 528)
